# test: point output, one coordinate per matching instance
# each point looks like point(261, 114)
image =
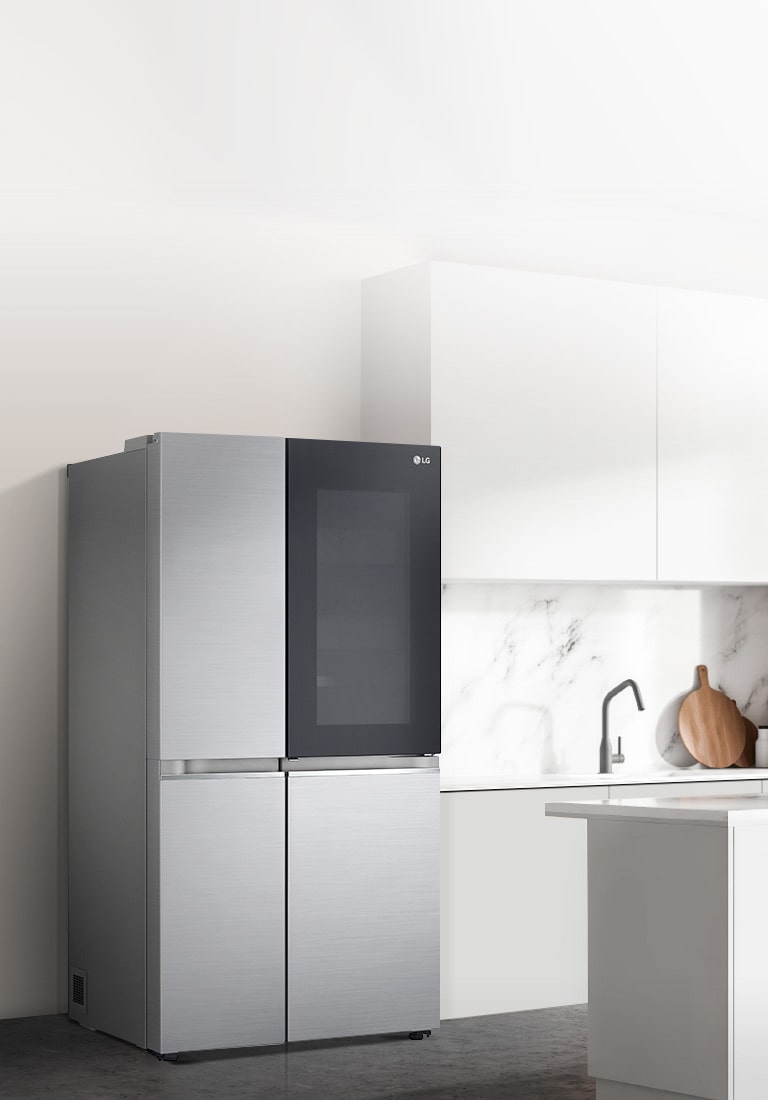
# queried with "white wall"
point(114, 325)
point(190, 192)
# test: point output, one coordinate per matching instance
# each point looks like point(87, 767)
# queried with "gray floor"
point(524, 1056)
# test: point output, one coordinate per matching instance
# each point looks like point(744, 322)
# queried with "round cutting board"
point(747, 758)
point(710, 725)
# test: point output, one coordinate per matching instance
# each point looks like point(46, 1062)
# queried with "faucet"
point(608, 758)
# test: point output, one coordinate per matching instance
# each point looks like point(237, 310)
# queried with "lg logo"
point(417, 460)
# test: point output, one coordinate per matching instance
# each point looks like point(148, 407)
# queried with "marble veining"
point(525, 669)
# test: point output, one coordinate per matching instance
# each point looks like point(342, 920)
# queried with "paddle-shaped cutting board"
point(710, 725)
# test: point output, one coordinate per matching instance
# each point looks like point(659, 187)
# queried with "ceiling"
point(614, 137)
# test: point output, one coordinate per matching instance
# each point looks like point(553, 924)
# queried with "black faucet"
point(608, 758)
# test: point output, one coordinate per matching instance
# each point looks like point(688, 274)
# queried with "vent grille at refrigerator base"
point(79, 990)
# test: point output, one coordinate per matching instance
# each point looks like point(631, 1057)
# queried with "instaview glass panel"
point(363, 608)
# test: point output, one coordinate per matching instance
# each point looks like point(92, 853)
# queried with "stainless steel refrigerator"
point(254, 718)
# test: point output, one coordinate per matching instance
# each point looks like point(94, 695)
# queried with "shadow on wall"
point(668, 742)
point(734, 631)
point(33, 809)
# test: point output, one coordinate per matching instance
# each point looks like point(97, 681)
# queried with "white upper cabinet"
point(713, 382)
point(541, 391)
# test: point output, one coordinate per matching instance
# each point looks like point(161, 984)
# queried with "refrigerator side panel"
point(153, 601)
point(363, 904)
point(222, 597)
point(222, 911)
point(107, 745)
point(153, 746)
point(154, 1041)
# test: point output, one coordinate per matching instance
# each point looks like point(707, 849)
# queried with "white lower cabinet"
point(514, 894)
point(514, 902)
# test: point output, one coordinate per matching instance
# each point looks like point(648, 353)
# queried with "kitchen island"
point(678, 946)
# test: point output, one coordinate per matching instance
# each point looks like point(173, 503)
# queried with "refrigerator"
point(254, 723)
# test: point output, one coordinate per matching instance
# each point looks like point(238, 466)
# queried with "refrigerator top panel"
point(363, 578)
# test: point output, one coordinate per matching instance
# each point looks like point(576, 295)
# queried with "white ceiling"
point(613, 137)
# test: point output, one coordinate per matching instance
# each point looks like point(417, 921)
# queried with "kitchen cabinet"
point(541, 390)
point(713, 350)
point(591, 430)
point(514, 903)
point(514, 894)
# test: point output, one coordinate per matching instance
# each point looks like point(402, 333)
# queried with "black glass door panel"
point(363, 599)
point(363, 628)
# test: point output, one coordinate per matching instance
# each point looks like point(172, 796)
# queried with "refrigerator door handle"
point(234, 766)
point(355, 763)
point(221, 775)
point(364, 771)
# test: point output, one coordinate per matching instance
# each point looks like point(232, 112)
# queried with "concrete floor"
point(517, 1056)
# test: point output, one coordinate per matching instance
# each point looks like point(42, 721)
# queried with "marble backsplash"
point(526, 667)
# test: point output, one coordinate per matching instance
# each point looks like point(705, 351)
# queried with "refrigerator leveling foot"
point(419, 1034)
point(165, 1057)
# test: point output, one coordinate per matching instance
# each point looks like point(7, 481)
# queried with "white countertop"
point(696, 774)
point(722, 810)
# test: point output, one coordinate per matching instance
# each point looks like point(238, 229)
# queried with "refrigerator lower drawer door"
point(222, 913)
point(363, 890)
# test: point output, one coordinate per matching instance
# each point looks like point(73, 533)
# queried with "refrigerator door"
point(363, 599)
point(216, 607)
point(220, 913)
point(363, 903)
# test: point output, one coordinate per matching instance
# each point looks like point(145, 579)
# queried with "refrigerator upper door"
point(216, 612)
point(363, 599)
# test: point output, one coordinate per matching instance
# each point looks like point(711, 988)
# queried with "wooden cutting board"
point(747, 758)
point(710, 725)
